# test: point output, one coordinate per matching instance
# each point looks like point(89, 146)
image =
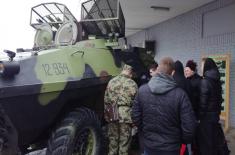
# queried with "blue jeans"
point(145, 153)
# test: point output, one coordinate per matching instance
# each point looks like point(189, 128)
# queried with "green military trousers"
point(119, 135)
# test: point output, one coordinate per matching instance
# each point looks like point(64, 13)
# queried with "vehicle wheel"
point(78, 134)
point(8, 135)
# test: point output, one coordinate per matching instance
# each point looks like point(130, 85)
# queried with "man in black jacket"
point(164, 113)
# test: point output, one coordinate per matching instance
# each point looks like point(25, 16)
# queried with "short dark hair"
point(192, 65)
point(153, 66)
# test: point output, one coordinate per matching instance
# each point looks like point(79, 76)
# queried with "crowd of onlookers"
point(176, 112)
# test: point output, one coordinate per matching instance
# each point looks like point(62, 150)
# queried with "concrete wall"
point(182, 38)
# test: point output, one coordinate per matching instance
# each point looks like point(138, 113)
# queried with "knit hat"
point(192, 65)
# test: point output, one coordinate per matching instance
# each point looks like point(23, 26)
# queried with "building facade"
point(208, 30)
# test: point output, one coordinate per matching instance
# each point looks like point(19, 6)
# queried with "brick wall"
point(181, 38)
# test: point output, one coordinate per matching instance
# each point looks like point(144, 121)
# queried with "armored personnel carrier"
point(54, 98)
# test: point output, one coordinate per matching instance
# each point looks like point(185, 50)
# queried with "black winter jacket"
point(164, 113)
point(210, 97)
point(185, 84)
point(195, 82)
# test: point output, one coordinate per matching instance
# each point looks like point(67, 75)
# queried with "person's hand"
point(133, 125)
point(134, 130)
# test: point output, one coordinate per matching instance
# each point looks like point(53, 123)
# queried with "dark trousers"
point(162, 153)
point(210, 139)
point(141, 141)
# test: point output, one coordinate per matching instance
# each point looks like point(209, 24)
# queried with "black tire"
point(8, 135)
point(79, 134)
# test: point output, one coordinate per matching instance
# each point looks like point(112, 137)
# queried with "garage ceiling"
point(139, 15)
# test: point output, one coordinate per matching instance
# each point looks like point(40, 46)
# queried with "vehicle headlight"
point(1, 68)
point(9, 68)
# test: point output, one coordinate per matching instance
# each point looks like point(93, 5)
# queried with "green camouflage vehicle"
point(54, 98)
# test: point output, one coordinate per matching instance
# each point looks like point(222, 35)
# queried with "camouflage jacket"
point(121, 90)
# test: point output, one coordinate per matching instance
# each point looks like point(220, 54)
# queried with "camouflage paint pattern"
point(121, 90)
point(55, 66)
point(54, 79)
point(119, 138)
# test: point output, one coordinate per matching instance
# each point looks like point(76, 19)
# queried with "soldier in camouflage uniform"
point(120, 91)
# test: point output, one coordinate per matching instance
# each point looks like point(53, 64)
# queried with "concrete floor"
point(230, 136)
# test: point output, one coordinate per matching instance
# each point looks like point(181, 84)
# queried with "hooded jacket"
point(181, 80)
point(195, 81)
point(164, 114)
point(210, 96)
